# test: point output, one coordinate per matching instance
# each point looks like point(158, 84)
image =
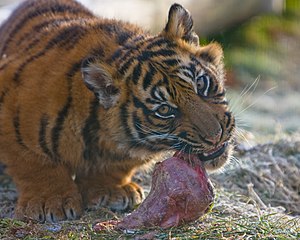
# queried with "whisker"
point(257, 99)
point(243, 95)
point(240, 133)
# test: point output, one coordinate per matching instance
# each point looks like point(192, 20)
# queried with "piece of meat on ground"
point(181, 192)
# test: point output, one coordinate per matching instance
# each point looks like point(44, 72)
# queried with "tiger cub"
point(96, 99)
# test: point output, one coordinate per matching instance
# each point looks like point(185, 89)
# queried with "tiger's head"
point(166, 93)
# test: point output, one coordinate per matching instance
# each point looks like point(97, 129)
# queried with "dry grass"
point(233, 217)
point(269, 173)
point(241, 211)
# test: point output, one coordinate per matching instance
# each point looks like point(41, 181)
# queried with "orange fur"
point(76, 98)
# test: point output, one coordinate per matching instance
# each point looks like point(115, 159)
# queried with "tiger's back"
point(97, 99)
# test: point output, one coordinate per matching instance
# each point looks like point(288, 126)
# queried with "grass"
point(228, 220)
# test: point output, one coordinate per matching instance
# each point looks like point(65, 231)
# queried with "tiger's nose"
point(214, 139)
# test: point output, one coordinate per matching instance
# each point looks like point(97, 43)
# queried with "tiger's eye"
point(164, 110)
point(203, 84)
point(200, 84)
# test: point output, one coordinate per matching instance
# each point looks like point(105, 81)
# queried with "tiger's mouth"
point(214, 153)
point(206, 156)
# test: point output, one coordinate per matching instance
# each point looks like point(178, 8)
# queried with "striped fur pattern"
point(96, 99)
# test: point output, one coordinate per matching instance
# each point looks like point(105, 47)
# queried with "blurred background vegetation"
point(265, 47)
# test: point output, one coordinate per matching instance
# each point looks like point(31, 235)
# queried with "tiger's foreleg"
point(111, 188)
point(47, 191)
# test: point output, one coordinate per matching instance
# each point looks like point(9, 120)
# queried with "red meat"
point(180, 193)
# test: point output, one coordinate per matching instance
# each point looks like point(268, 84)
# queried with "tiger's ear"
point(98, 79)
point(212, 53)
point(180, 25)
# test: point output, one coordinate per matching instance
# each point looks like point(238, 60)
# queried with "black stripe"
point(207, 57)
point(38, 28)
point(188, 137)
point(151, 145)
point(115, 29)
point(95, 54)
point(153, 90)
point(228, 115)
point(18, 72)
point(124, 120)
point(148, 114)
point(149, 77)
point(195, 60)
point(156, 43)
point(224, 102)
point(36, 13)
point(63, 113)
point(172, 93)
point(12, 20)
point(170, 62)
point(165, 79)
point(191, 141)
point(138, 39)
point(162, 96)
point(156, 89)
point(123, 37)
point(61, 37)
point(109, 28)
point(139, 104)
point(117, 54)
point(56, 131)
point(151, 101)
point(184, 85)
point(193, 70)
point(68, 37)
point(137, 73)
point(73, 70)
point(16, 122)
point(146, 55)
point(3, 94)
point(32, 44)
point(222, 94)
point(187, 74)
point(125, 66)
point(90, 133)
point(183, 134)
point(42, 135)
point(159, 42)
point(216, 88)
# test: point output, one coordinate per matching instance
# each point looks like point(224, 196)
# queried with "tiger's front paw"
point(123, 198)
point(52, 209)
